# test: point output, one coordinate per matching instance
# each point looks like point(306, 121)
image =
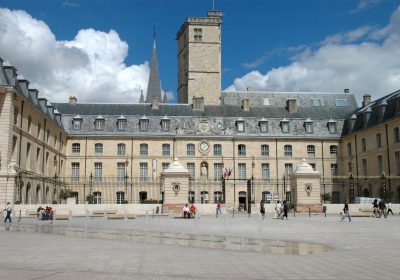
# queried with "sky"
point(100, 50)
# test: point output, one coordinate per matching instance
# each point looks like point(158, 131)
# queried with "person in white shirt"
point(186, 211)
point(278, 210)
point(8, 209)
point(389, 208)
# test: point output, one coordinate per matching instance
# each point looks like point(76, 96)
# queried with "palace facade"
point(116, 153)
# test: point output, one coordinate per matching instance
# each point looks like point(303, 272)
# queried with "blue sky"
point(287, 45)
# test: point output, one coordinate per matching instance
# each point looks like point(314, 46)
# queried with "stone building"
point(116, 153)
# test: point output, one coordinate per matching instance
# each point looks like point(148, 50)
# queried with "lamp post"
point(126, 180)
point(252, 180)
point(351, 187)
point(383, 185)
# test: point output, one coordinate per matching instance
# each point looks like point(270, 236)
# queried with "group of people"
point(281, 209)
point(380, 208)
point(189, 211)
point(44, 214)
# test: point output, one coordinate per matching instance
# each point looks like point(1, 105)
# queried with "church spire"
point(154, 86)
point(141, 99)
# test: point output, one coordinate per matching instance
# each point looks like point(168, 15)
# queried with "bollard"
point(309, 212)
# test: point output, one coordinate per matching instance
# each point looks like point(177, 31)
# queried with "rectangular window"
point(121, 124)
point(198, 34)
point(242, 170)
point(165, 125)
point(240, 126)
point(76, 148)
point(191, 168)
point(265, 171)
point(99, 124)
point(378, 140)
point(341, 102)
point(363, 144)
point(143, 171)
point(334, 173)
point(121, 149)
point(144, 125)
point(97, 198)
point(265, 150)
point(317, 102)
point(333, 150)
point(263, 127)
point(397, 160)
point(313, 166)
point(311, 150)
point(121, 171)
point(144, 149)
point(285, 127)
point(288, 168)
point(217, 171)
point(77, 124)
point(217, 150)
point(379, 160)
point(241, 150)
point(349, 149)
point(288, 150)
point(75, 171)
point(309, 127)
point(166, 149)
point(332, 127)
point(190, 149)
point(365, 167)
point(165, 166)
point(120, 197)
point(98, 149)
point(98, 171)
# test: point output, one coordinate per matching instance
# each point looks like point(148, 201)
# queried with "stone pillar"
point(176, 187)
point(306, 188)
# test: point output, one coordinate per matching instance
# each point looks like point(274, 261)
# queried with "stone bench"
point(120, 216)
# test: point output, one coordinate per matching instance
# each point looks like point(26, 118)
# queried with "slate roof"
point(154, 85)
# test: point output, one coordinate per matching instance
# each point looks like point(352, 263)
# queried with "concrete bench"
point(61, 217)
point(121, 216)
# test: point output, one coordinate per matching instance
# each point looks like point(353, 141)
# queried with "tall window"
point(285, 126)
point(97, 198)
point(379, 160)
point(165, 124)
point(166, 150)
point(333, 150)
point(365, 167)
point(396, 134)
point(144, 149)
point(77, 123)
point(265, 150)
point(241, 150)
point(190, 149)
point(121, 149)
point(309, 127)
point(99, 123)
point(16, 112)
point(263, 126)
point(349, 149)
point(265, 171)
point(98, 171)
point(397, 161)
point(191, 168)
point(75, 171)
point(217, 150)
point(240, 126)
point(288, 150)
point(332, 127)
point(334, 173)
point(288, 168)
point(143, 171)
point(378, 140)
point(144, 124)
point(363, 144)
point(121, 171)
point(242, 170)
point(311, 150)
point(217, 171)
point(121, 123)
point(198, 34)
point(39, 128)
point(29, 124)
point(76, 148)
point(98, 149)
point(120, 197)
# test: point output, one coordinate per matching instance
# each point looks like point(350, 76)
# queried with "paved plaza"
point(366, 248)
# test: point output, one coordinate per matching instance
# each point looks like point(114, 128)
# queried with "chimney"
point(346, 90)
point(245, 104)
point(154, 103)
point(198, 103)
point(291, 105)
point(72, 100)
point(366, 100)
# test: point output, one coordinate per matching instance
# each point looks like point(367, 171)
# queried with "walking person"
point(382, 208)
point(278, 209)
point(389, 209)
point(346, 212)
point(218, 209)
point(375, 205)
point(285, 209)
point(262, 208)
point(8, 209)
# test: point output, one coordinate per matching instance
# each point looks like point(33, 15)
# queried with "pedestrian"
point(382, 208)
point(262, 208)
point(8, 209)
point(186, 211)
point(346, 211)
point(389, 209)
point(285, 209)
point(218, 209)
point(278, 209)
point(193, 211)
point(375, 205)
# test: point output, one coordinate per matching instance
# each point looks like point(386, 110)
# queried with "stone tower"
point(199, 58)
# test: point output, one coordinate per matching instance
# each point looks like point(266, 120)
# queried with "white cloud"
point(91, 66)
point(365, 4)
point(368, 66)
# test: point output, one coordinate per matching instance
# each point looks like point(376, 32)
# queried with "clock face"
point(204, 146)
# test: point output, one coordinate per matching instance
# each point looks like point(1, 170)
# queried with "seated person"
point(186, 211)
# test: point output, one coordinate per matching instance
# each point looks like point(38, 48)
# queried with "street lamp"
point(351, 186)
point(383, 185)
point(126, 180)
point(252, 180)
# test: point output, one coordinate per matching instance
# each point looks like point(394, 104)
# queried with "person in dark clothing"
point(285, 209)
point(346, 212)
point(262, 208)
point(8, 209)
point(382, 209)
point(376, 209)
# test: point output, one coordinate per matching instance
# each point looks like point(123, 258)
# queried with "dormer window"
point(99, 123)
point(240, 125)
point(263, 124)
point(332, 126)
point(144, 124)
point(285, 125)
point(77, 122)
point(121, 123)
point(165, 124)
point(309, 126)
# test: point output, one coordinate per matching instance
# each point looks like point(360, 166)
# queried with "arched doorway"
point(142, 196)
point(242, 201)
point(365, 192)
point(27, 194)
